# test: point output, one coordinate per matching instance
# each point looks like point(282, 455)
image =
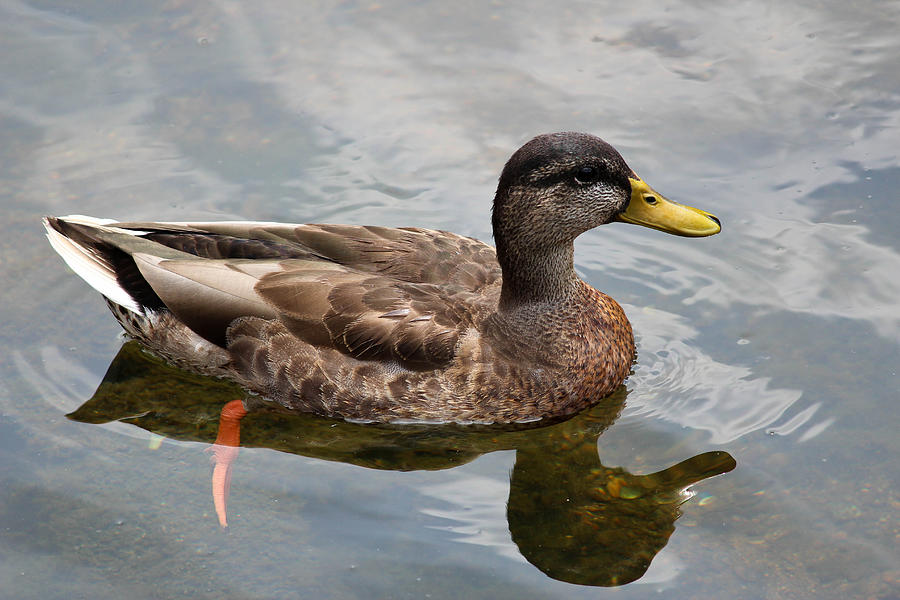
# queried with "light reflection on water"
point(772, 341)
point(676, 381)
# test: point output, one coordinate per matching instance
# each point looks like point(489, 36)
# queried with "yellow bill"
point(650, 209)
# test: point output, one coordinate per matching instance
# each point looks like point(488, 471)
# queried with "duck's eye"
point(586, 175)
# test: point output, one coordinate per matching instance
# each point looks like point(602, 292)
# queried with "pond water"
point(775, 342)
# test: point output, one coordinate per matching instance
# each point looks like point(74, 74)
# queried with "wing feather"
point(374, 293)
point(372, 317)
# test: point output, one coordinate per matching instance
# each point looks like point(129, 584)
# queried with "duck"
point(393, 325)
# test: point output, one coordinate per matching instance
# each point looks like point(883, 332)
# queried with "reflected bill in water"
point(570, 516)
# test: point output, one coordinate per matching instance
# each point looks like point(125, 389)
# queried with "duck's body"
point(381, 324)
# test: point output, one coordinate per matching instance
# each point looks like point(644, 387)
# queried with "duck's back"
point(407, 254)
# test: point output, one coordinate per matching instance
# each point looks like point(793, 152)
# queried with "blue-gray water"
point(776, 341)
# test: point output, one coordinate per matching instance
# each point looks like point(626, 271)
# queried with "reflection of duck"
point(573, 518)
point(581, 522)
point(378, 324)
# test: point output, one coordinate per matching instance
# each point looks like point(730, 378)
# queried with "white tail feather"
point(88, 264)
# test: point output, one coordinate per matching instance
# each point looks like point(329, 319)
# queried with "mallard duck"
point(392, 325)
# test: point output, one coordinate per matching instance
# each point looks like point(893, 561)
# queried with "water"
point(775, 341)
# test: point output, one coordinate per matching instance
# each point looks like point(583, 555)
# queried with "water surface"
point(775, 341)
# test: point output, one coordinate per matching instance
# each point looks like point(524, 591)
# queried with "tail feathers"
point(90, 261)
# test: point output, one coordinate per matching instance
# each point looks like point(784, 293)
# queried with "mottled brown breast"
point(604, 343)
point(564, 359)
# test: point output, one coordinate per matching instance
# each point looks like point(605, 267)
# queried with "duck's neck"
point(536, 276)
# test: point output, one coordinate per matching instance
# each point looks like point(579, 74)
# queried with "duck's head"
point(559, 185)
